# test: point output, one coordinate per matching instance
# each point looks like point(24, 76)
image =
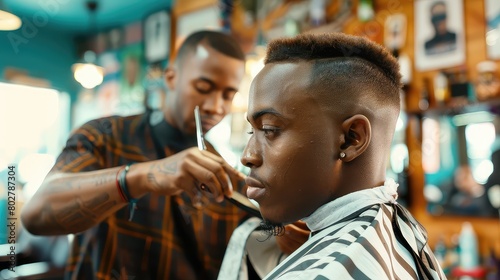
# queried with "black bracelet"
point(123, 185)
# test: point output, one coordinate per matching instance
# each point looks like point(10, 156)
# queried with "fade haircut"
point(351, 65)
point(220, 42)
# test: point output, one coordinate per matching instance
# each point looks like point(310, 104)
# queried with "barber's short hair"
point(219, 41)
point(346, 63)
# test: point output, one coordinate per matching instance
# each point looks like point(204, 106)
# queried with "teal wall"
point(43, 53)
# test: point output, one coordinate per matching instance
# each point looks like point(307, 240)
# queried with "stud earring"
point(342, 155)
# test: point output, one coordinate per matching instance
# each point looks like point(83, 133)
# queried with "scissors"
point(237, 199)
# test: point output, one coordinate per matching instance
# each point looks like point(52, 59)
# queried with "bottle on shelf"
point(441, 91)
point(469, 267)
point(424, 102)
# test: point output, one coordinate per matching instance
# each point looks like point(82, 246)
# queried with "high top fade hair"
point(220, 42)
point(351, 66)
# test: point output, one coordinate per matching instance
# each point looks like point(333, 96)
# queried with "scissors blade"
point(244, 203)
point(238, 199)
point(199, 132)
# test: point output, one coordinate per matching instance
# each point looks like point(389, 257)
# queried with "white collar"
point(341, 207)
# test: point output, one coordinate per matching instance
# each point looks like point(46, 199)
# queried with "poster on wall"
point(132, 92)
point(157, 36)
point(493, 28)
point(206, 18)
point(439, 34)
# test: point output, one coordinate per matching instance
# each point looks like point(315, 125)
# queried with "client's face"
point(293, 150)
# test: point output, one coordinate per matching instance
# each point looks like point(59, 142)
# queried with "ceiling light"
point(8, 21)
point(87, 73)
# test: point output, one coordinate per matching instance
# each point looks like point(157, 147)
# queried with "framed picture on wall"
point(156, 34)
point(439, 34)
point(200, 19)
point(492, 28)
point(115, 38)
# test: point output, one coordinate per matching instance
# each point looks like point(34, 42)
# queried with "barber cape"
point(362, 235)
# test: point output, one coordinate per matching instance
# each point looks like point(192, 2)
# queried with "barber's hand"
point(190, 169)
point(295, 235)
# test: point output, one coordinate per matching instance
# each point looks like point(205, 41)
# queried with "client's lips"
point(255, 188)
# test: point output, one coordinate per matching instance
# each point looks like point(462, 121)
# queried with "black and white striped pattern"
point(365, 245)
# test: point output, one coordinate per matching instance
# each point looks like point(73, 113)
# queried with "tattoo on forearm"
point(104, 207)
point(47, 217)
point(79, 212)
point(74, 214)
point(59, 186)
point(152, 179)
point(63, 213)
point(103, 180)
point(65, 184)
point(100, 203)
point(96, 202)
point(75, 219)
point(165, 168)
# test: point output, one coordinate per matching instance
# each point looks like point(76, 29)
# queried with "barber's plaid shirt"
point(167, 238)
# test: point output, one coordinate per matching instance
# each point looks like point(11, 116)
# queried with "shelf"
point(492, 105)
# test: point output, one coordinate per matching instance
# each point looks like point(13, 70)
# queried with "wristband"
point(123, 186)
point(122, 195)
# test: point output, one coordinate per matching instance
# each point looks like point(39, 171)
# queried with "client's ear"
point(357, 133)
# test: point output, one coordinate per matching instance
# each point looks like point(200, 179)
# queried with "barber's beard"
point(272, 229)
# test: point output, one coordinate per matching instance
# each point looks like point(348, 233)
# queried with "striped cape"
point(381, 240)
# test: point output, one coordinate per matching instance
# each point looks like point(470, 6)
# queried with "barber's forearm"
point(73, 202)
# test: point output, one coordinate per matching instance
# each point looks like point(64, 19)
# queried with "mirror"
point(460, 158)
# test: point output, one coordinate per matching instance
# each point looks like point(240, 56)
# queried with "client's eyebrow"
point(268, 111)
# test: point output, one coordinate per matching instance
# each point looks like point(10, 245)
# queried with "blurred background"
point(64, 62)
